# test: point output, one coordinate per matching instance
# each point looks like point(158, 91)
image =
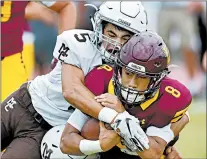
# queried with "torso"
point(167, 106)
point(46, 90)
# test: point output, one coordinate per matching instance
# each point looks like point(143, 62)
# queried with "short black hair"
point(104, 23)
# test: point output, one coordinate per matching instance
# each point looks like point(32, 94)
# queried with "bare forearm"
point(33, 10)
point(156, 149)
point(83, 99)
point(77, 94)
point(67, 15)
point(179, 125)
point(70, 144)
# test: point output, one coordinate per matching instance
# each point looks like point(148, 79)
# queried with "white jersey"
point(72, 47)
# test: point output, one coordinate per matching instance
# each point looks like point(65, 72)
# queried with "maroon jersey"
point(27, 27)
point(12, 26)
point(168, 105)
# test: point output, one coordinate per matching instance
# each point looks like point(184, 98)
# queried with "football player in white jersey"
point(78, 56)
point(78, 52)
point(48, 97)
point(40, 104)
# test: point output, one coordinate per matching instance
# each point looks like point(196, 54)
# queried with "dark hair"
point(104, 23)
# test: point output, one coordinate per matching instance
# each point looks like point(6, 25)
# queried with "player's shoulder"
point(76, 36)
point(78, 41)
point(72, 32)
point(174, 96)
point(103, 72)
point(97, 80)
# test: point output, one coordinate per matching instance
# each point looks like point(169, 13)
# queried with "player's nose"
point(132, 83)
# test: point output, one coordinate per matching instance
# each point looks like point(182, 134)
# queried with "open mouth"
point(113, 52)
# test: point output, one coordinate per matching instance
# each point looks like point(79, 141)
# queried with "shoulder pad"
point(74, 41)
point(98, 79)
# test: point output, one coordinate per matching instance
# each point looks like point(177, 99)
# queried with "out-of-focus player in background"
point(140, 83)
point(172, 15)
point(28, 54)
point(13, 20)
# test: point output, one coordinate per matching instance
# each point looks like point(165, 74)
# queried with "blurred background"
point(182, 26)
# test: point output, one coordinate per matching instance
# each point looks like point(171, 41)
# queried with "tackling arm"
point(73, 143)
point(76, 93)
point(70, 141)
point(70, 138)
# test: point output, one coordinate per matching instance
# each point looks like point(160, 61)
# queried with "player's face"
point(131, 80)
point(117, 35)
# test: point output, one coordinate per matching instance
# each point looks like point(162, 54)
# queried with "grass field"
point(192, 142)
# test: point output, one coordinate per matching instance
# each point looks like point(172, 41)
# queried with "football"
point(91, 129)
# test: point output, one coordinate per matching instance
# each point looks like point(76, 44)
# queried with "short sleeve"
point(81, 54)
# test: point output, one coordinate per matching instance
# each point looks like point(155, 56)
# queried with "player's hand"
point(110, 101)
point(124, 149)
point(128, 127)
point(108, 138)
point(172, 153)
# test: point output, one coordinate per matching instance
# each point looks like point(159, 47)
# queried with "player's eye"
point(111, 35)
point(126, 38)
point(129, 73)
point(142, 77)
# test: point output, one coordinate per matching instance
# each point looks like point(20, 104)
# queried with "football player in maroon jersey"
point(13, 14)
point(140, 82)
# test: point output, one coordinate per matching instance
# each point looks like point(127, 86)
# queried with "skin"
point(108, 138)
point(173, 153)
point(74, 90)
point(111, 31)
point(131, 80)
point(62, 12)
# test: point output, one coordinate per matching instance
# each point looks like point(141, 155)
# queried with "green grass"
point(192, 142)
